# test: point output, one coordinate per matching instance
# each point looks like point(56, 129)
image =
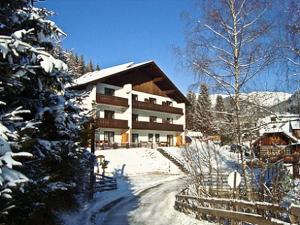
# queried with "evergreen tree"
point(203, 116)
point(97, 67)
point(81, 65)
point(219, 107)
point(90, 67)
point(33, 76)
point(190, 111)
point(74, 64)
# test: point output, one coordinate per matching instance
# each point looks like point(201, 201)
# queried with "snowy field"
point(137, 161)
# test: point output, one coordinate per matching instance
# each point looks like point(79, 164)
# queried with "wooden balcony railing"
point(141, 125)
point(156, 107)
point(111, 123)
point(111, 100)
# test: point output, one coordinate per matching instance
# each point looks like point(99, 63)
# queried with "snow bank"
point(131, 162)
point(227, 160)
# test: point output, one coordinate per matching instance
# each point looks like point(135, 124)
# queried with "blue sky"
point(112, 32)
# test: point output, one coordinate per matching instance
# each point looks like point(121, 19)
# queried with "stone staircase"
point(178, 163)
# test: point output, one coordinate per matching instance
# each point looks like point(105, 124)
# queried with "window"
point(135, 117)
point(170, 140)
point(169, 120)
point(152, 119)
point(109, 91)
point(109, 114)
point(109, 136)
point(135, 138)
point(169, 103)
point(150, 137)
point(134, 97)
point(152, 100)
point(157, 138)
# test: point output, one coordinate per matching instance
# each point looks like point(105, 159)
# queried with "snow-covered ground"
point(145, 195)
point(226, 160)
point(137, 161)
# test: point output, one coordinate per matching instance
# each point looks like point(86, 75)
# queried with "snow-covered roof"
point(194, 134)
point(96, 75)
point(115, 73)
point(287, 134)
point(283, 122)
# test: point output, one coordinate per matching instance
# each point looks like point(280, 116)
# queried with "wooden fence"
point(221, 209)
point(104, 183)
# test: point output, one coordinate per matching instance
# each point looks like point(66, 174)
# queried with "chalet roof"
point(289, 136)
point(121, 71)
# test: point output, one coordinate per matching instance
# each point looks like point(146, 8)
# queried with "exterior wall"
point(123, 113)
point(119, 91)
point(144, 114)
point(159, 99)
point(99, 134)
point(143, 135)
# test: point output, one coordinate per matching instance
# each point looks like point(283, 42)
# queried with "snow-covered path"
point(153, 206)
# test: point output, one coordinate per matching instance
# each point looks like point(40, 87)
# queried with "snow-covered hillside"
point(262, 98)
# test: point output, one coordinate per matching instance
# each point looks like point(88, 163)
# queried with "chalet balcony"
point(111, 100)
point(156, 107)
point(141, 125)
point(111, 123)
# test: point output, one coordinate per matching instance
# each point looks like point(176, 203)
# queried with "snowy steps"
point(173, 160)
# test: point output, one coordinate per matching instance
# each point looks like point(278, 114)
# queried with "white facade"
point(157, 115)
point(125, 113)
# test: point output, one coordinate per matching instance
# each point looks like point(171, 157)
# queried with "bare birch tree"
point(229, 45)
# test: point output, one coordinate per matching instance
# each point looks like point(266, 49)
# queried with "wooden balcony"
point(111, 123)
point(111, 100)
point(156, 107)
point(141, 125)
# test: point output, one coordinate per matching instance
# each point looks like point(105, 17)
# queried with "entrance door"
point(178, 140)
point(124, 138)
point(170, 140)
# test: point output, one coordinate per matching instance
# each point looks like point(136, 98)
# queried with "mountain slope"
point(263, 98)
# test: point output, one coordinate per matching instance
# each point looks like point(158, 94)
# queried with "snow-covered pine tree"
point(219, 107)
point(81, 65)
point(203, 116)
point(190, 111)
point(97, 67)
point(35, 80)
point(89, 67)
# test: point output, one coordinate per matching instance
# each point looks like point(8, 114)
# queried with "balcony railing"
point(156, 107)
point(111, 123)
point(111, 100)
point(141, 125)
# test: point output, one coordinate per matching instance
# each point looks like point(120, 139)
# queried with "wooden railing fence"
point(225, 210)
